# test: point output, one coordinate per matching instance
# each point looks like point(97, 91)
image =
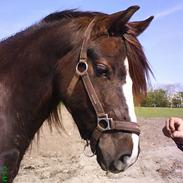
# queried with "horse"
point(94, 64)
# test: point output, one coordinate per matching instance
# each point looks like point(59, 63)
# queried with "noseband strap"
point(104, 123)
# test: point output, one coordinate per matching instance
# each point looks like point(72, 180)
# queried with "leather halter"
point(104, 123)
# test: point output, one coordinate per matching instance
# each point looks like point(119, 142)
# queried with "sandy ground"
point(60, 158)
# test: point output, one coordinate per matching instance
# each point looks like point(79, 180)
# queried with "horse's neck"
point(32, 67)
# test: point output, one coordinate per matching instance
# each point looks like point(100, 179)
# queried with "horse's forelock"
point(138, 64)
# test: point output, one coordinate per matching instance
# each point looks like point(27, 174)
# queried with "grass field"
point(151, 112)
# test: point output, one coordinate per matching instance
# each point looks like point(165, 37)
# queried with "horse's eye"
point(102, 70)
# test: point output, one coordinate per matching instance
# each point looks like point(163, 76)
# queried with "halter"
point(104, 123)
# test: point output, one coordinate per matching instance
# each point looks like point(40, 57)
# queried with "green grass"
point(152, 112)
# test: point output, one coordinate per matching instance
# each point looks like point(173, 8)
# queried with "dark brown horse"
point(90, 61)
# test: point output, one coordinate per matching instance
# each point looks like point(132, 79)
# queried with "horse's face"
point(109, 74)
point(108, 69)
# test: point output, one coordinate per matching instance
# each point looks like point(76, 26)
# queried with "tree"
point(173, 89)
point(177, 99)
point(156, 98)
point(149, 101)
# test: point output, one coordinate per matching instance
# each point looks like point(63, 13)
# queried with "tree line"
point(162, 98)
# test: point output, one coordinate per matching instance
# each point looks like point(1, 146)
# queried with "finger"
point(177, 120)
point(172, 122)
point(178, 124)
point(166, 132)
point(167, 123)
point(178, 134)
point(180, 127)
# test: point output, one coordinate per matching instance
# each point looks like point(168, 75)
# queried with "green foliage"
point(156, 98)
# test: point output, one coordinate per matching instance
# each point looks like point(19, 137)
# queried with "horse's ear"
point(140, 26)
point(116, 20)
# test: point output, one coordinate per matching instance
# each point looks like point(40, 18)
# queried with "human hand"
point(174, 129)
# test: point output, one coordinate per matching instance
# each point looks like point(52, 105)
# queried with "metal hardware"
point(81, 68)
point(103, 123)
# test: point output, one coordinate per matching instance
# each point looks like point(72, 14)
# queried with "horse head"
point(100, 79)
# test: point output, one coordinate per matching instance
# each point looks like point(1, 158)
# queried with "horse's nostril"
point(120, 164)
point(124, 158)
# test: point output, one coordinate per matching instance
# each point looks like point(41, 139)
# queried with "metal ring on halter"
point(81, 68)
point(103, 123)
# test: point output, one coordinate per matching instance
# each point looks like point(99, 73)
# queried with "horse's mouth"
point(114, 167)
point(110, 169)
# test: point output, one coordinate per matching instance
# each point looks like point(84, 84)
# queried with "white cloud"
point(169, 11)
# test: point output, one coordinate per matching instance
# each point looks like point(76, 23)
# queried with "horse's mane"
point(70, 14)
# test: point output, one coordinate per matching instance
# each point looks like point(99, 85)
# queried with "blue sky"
point(162, 41)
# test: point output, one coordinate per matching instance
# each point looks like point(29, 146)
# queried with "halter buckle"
point(104, 123)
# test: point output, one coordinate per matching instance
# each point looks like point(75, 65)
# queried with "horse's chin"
point(114, 167)
point(103, 167)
